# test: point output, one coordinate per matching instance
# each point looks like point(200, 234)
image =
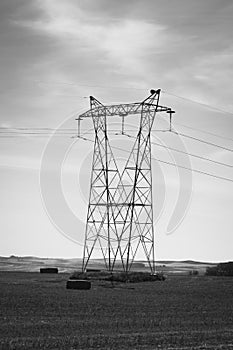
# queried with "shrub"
point(118, 276)
point(99, 275)
point(135, 277)
point(222, 269)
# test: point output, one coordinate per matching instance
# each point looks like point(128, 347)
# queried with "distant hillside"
point(33, 264)
point(197, 262)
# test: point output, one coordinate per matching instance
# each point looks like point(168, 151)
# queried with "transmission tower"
point(120, 209)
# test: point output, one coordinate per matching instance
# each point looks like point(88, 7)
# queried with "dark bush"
point(118, 276)
point(99, 275)
point(222, 269)
point(135, 277)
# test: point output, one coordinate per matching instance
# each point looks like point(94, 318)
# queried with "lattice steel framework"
point(120, 210)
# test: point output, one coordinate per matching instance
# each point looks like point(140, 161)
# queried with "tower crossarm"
point(124, 109)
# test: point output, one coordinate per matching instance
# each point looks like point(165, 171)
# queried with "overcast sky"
point(56, 53)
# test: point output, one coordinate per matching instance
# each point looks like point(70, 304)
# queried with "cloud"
point(179, 53)
point(121, 46)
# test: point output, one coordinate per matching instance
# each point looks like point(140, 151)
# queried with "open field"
point(184, 312)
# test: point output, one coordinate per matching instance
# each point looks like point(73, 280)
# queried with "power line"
point(26, 128)
point(134, 88)
point(63, 132)
point(205, 132)
point(193, 155)
point(202, 141)
point(70, 131)
point(160, 145)
point(19, 130)
point(128, 88)
point(195, 129)
point(193, 170)
point(197, 102)
point(189, 154)
point(14, 129)
point(172, 164)
point(37, 133)
point(21, 133)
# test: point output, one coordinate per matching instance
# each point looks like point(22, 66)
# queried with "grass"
point(37, 312)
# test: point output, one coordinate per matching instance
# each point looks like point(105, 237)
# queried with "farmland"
point(184, 312)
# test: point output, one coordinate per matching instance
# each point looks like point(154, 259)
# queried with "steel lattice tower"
point(120, 210)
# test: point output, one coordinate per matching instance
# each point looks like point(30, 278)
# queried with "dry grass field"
point(183, 312)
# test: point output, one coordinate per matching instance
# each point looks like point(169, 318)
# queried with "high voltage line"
point(193, 155)
point(170, 163)
point(196, 129)
point(24, 130)
point(135, 88)
point(203, 131)
point(197, 102)
point(189, 154)
point(65, 132)
point(203, 141)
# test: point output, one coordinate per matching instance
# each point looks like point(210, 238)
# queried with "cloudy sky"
point(56, 53)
